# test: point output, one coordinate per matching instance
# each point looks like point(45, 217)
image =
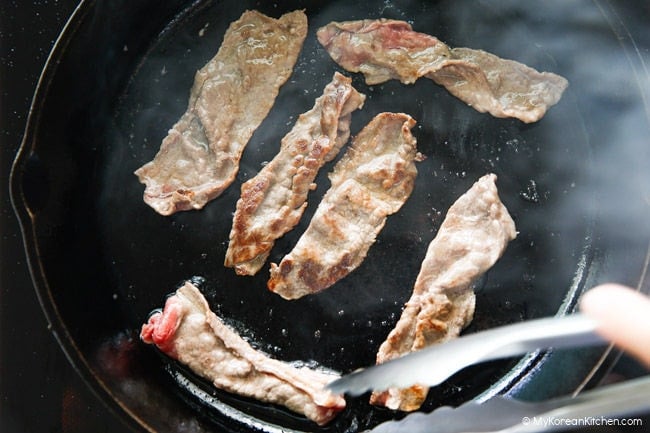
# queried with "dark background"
point(39, 390)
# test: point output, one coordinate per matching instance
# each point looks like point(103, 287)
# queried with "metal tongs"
point(435, 364)
point(612, 405)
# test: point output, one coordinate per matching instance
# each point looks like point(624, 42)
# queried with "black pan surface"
point(575, 183)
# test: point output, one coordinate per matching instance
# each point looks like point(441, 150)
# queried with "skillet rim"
point(57, 324)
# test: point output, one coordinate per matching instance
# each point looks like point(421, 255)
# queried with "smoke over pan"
point(576, 183)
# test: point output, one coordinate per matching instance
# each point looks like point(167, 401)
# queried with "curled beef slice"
point(470, 240)
point(389, 49)
point(273, 201)
point(188, 331)
point(231, 96)
point(372, 180)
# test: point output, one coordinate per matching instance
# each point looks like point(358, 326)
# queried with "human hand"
point(623, 317)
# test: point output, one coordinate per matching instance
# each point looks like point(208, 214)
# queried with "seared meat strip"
point(470, 240)
point(273, 201)
point(231, 95)
point(388, 49)
point(372, 180)
point(188, 331)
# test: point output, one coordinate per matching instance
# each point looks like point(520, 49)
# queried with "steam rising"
point(576, 183)
point(575, 167)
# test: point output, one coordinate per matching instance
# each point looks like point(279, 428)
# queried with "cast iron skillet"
point(101, 260)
